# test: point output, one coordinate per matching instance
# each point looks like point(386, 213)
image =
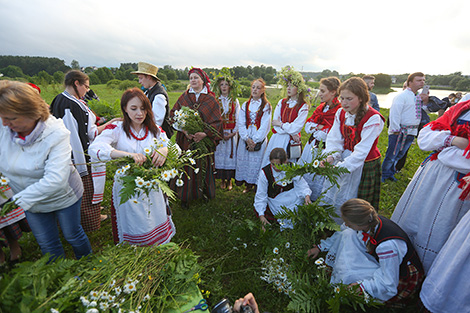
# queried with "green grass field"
point(224, 232)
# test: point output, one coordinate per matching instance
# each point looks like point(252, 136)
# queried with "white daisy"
point(196, 170)
point(316, 163)
point(179, 182)
point(276, 251)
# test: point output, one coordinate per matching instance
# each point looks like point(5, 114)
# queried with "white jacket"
point(41, 173)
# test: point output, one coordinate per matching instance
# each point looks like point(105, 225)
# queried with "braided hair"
point(361, 213)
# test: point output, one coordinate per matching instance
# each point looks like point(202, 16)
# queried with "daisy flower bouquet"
point(142, 179)
point(190, 121)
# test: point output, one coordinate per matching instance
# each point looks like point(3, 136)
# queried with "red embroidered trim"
point(137, 138)
point(110, 126)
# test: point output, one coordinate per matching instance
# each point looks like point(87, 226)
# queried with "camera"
point(224, 306)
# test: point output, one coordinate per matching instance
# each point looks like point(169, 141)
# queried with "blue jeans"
point(394, 154)
point(44, 228)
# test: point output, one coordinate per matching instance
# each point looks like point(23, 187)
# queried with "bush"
point(104, 109)
point(177, 86)
point(126, 84)
point(113, 83)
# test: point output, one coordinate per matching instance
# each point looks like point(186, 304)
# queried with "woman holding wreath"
point(200, 98)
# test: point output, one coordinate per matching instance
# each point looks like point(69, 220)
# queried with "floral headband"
point(289, 75)
point(225, 75)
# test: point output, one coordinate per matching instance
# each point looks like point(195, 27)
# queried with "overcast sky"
point(360, 36)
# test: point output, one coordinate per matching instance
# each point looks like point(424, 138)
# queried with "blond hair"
point(19, 98)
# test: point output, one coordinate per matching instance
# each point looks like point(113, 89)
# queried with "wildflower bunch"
point(5, 194)
point(191, 121)
point(138, 180)
point(274, 271)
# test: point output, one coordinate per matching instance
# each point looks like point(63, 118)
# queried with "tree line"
point(46, 70)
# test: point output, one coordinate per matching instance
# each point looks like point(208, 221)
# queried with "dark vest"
point(274, 189)
point(387, 230)
point(151, 94)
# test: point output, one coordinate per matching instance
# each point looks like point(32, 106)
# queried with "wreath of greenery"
point(226, 74)
point(289, 75)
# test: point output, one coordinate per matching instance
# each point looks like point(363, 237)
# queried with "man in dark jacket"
point(157, 95)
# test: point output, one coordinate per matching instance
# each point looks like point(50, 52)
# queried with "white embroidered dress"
point(249, 162)
point(225, 155)
point(144, 221)
point(282, 136)
point(351, 160)
point(430, 208)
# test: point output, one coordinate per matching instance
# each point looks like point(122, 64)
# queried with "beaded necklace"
point(141, 138)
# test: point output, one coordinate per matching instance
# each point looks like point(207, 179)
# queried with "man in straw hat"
point(156, 93)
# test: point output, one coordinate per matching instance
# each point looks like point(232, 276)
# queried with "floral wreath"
point(225, 74)
point(289, 75)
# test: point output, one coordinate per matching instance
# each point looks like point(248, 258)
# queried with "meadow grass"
point(225, 232)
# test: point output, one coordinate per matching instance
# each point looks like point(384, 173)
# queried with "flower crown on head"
point(226, 75)
point(289, 75)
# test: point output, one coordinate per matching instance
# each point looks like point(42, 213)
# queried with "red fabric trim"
point(110, 126)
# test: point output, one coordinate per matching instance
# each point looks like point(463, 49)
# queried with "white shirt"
point(204, 91)
point(404, 112)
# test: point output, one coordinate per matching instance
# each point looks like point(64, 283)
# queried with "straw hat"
point(147, 69)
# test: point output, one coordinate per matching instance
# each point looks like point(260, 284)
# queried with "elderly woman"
point(35, 158)
point(200, 98)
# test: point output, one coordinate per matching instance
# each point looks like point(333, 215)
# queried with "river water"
point(385, 101)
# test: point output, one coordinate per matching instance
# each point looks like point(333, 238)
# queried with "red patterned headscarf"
point(204, 77)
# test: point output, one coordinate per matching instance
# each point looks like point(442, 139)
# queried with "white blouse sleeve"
point(261, 197)
point(301, 187)
point(370, 131)
point(296, 126)
point(101, 148)
point(453, 158)
point(237, 112)
point(429, 140)
point(383, 285)
point(241, 123)
point(334, 139)
point(325, 244)
point(310, 127)
point(265, 126)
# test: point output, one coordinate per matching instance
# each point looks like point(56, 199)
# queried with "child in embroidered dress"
point(318, 125)
point(277, 194)
point(289, 116)
point(254, 121)
point(353, 138)
point(373, 252)
point(225, 155)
